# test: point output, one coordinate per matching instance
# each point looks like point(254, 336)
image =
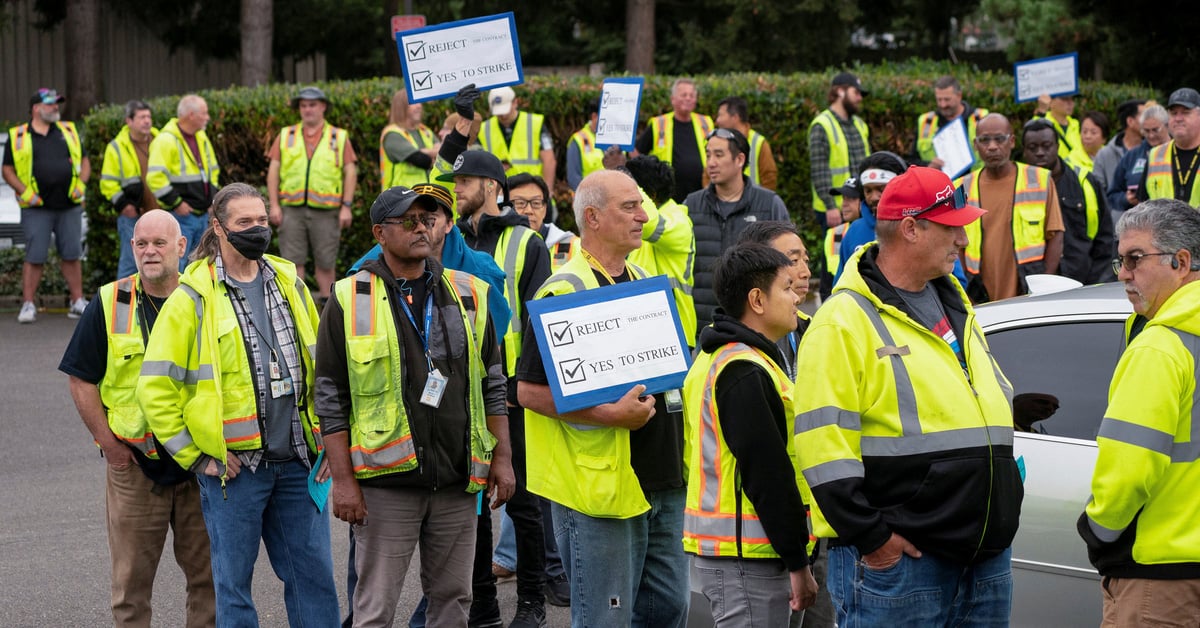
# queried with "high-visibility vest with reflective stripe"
point(928, 126)
point(21, 145)
point(172, 164)
point(562, 251)
point(523, 154)
point(756, 141)
point(196, 387)
point(317, 181)
point(839, 150)
point(1091, 208)
point(1160, 177)
point(510, 256)
point(1070, 143)
point(380, 436)
point(669, 249)
point(590, 157)
point(586, 468)
point(912, 397)
point(833, 247)
point(121, 167)
point(118, 388)
point(1028, 221)
point(719, 521)
point(403, 173)
point(662, 129)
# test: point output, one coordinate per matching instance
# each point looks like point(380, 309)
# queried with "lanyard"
point(428, 319)
point(595, 264)
point(791, 364)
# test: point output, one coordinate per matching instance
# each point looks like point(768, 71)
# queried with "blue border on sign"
point(1017, 80)
point(641, 83)
point(541, 307)
point(512, 29)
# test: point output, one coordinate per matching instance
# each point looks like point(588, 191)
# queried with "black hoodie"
point(754, 427)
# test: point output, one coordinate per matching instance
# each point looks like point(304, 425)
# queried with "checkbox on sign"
point(560, 334)
point(416, 50)
point(572, 371)
point(422, 81)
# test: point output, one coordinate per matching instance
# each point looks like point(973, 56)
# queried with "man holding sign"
point(947, 92)
point(614, 471)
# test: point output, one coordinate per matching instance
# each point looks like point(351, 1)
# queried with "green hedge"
point(246, 120)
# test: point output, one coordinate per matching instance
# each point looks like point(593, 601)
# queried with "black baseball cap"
point(478, 163)
point(1184, 97)
point(846, 79)
point(395, 201)
point(848, 189)
point(46, 96)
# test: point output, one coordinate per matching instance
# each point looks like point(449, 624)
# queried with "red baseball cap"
point(926, 194)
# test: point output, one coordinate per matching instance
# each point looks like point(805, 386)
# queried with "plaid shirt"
point(818, 157)
point(285, 334)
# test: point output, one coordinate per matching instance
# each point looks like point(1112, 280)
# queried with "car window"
point(1060, 374)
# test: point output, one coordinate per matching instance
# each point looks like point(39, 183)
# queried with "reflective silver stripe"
point(687, 267)
point(167, 368)
point(1029, 197)
point(199, 303)
point(1030, 254)
point(109, 177)
point(185, 178)
point(826, 416)
point(130, 180)
point(833, 471)
point(1137, 435)
point(480, 470)
point(710, 498)
point(364, 305)
point(1158, 169)
point(120, 159)
point(1192, 342)
point(574, 281)
point(680, 286)
point(532, 159)
point(1106, 535)
point(840, 170)
point(906, 397)
point(1005, 386)
point(162, 169)
point(511, 249)
point(175, 444)
point(121, 312)
point(724, 528)
point(242, 429)
point(392, 454)
point(658, 229)
point(583, 427)
point(931, 442)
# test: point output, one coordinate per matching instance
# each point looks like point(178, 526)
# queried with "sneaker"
point(501, 573)
point(558, 590)
point(77, 308)
point(28, 313)
point(485, 615)
point(529, 615)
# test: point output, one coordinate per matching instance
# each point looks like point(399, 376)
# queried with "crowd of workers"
point(857, 464)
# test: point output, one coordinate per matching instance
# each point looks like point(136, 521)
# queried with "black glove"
point(464, 101)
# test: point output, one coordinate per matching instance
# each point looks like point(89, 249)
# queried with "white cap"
point(500, 100)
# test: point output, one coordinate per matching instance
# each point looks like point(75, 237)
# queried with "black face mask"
point(252, 243)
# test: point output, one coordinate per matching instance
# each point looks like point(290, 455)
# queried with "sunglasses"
point(409, 223)
point(958, 200)
point(1130, 262)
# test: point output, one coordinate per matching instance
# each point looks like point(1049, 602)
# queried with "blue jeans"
point(193, 227)
point(125, 264)
point(626, 572)
point(924, 591)
point(271, 504)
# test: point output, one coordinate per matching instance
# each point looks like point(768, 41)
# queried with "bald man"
point(145, 493)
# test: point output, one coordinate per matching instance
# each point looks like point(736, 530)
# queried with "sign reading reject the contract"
point(599, 343)
point(440, 59)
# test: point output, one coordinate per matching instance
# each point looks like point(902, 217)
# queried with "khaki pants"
point(1144, 602)
point(138, 520)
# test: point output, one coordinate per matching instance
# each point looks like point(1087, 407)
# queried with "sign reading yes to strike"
point(1057, 76)
point(620, 99)
point(599, 343)
point(438, 60)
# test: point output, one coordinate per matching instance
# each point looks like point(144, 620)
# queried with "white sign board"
point(438, 60)
point(953, 147)
point(1057, 76)
point(620, 99)
point(599, 343)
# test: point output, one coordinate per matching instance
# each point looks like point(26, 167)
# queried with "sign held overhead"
point(620, 99)
point(438, 60)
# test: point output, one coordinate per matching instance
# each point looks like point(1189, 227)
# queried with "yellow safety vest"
point(1160, 178)
point(22, 148)
point(380, 438)
point(196, 388)
point(121, 167)
point(118, 389)
point(833, 247)
point(586, 468)
point(524, 153)
point(839, 150)
point(1091, 208)
point(590, 157)
point(317, 181)
point(662, 128)
point(1028, 221)
point(172, 164)
point(561, 252)
point(669, 249)
point(510, 257)
point(403, 173)
point(719, 520)
point(928, 125)
point(1070, 143)
point(756, 141)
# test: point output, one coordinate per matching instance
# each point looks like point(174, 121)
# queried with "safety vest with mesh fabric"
point(1092, 210)
point(126, 346)
point(196, 387)
point(839, 151)
point(523, 153)
point(585, 468)
point(1028, 219)
point(22, 148)
point(662, 129)
point(719, 521)
point(510, 256)
point(833, 246)
point(403, 173)
point(1160, 177)
point(121, 167)
point(591, 158)
point(928, 125)
point(381, 440)
point(311, 181)
point(756, 141)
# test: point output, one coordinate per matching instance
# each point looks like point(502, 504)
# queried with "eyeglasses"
point(520, 203)
point(958, 200)
point(984, 140)
point(409, 223)
point(1130, 261)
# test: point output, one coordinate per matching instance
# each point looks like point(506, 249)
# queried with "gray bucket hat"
point(309, 93)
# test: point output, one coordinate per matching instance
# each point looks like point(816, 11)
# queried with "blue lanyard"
point(791, 364)
point(428, 320)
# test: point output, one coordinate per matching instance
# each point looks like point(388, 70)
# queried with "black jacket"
point(1086, 260)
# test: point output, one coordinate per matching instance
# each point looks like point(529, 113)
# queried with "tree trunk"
point(258, 27)
point(85, 81)
point(639, 36)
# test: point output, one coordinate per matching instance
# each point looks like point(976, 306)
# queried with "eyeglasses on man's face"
point(409, 223)
point(520, 203)
point(1130, 262)
point(984, 140)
